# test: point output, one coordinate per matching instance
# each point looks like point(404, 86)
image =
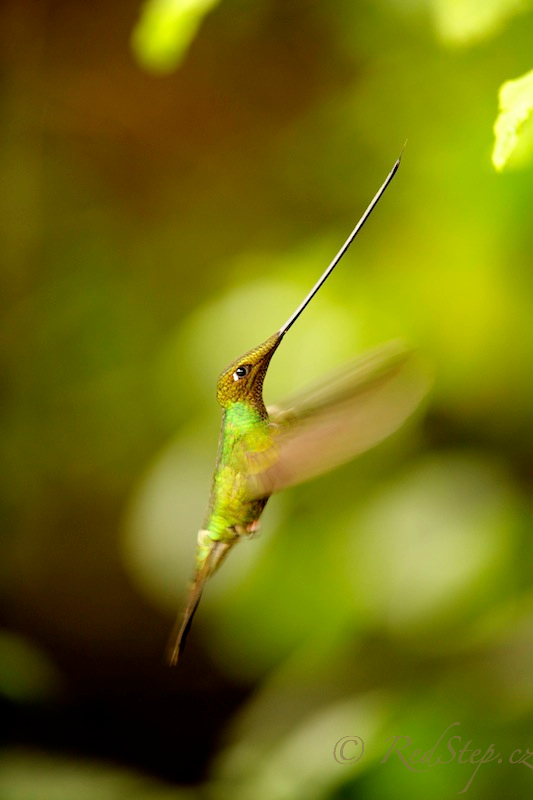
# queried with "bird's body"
point(246, 447)
point(261, 451)
point(243, 431)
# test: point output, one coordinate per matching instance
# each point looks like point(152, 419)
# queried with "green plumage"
point(244, 430)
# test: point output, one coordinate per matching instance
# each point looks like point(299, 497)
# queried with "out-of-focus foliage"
point(25, 775)
point(466, 22)
point(155, 228)
point(25, 673)
point(516, 105)
point(165, 30)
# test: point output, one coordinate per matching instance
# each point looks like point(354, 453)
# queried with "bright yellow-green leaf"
point(463, 22)
point(165, 30)
point(516, 105)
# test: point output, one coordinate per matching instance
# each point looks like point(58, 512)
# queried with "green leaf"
point(516, 104)
point(464, 22)
point(165, 30)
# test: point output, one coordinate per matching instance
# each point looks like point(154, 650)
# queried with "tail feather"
point(183, 623)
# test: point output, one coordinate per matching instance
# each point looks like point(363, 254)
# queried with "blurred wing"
point(348, 413)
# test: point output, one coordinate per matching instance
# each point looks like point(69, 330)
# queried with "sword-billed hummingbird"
point(262, 450)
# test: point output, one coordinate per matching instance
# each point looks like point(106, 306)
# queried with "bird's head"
point(243, 380)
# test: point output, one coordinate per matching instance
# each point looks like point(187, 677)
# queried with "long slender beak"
point(373, 203)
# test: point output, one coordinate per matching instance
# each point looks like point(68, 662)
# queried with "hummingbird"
point(262, 451)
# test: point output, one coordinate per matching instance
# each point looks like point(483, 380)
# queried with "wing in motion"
point(350, 412)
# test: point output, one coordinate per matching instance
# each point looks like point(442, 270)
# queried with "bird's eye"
point(241, 372)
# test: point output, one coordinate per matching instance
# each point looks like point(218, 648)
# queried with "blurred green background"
point(175, 176)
